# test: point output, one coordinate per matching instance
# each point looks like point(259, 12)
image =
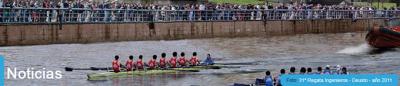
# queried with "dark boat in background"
point(385, 36)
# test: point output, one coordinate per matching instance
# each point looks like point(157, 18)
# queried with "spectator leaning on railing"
point(1, 3)
point(27, 11)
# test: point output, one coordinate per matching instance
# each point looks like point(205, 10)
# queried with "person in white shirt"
point(163, 13)
point(191, 13)
point(1, 3)
point(202, 7)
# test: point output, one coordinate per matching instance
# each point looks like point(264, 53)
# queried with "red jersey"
point(162, 63)
point(182, 61)
point(152, 64)
point(139, 64)
point(194, 60)
point(115, 66)
point(172, 62)
point(129, 65)
point(396, 28)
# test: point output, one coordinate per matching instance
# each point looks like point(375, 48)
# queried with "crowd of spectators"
point(116, 11)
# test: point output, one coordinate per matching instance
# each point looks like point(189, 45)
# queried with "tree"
point(397, 2)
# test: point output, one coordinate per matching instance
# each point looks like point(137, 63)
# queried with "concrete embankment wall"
point(32, 34)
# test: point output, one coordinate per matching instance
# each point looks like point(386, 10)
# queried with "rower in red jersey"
point(162, 63)
point(116, 64)
point(129, 64)
point(139, 63)
point(152, 63)
point(194, 61)
point(182, 61)
point(172, 61)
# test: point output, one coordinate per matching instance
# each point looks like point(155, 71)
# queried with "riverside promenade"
point(117, 25)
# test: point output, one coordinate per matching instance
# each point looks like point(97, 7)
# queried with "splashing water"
point(360, 49)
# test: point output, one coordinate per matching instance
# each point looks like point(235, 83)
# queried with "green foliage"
point(383, 5)
point(378, 5)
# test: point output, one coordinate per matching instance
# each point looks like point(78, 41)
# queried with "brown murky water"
point(268, 53)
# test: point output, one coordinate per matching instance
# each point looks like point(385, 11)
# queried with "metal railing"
point(43, 15)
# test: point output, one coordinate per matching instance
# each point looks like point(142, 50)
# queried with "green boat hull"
point(108, 75)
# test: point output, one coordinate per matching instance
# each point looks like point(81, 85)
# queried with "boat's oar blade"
point(68, 69)
point(99, 68)
point(238, 84)
point(91, 68)
point(94, 68)
point(214, 67)
point(188, 70)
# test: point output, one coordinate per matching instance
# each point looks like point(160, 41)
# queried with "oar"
point(71, 69)
point(239, 84)
point(188, 70)
point(214, 67)
point(209, 66)
point(91, 68)
point(101, 68)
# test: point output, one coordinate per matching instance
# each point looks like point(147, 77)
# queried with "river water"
point(266, 53)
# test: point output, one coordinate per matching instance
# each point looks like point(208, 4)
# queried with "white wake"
point(360, 49)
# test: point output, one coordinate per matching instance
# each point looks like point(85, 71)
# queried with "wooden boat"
point(106, 75)
point(385, 36)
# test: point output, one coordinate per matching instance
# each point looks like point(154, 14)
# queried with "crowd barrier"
point(79, 15)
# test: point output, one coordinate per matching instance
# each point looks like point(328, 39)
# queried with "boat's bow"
point(384, 37)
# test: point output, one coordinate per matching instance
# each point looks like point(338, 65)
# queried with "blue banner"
point(1, 70)
point(340, 80)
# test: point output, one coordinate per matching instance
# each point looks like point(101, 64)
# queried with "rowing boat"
point(106, 75)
